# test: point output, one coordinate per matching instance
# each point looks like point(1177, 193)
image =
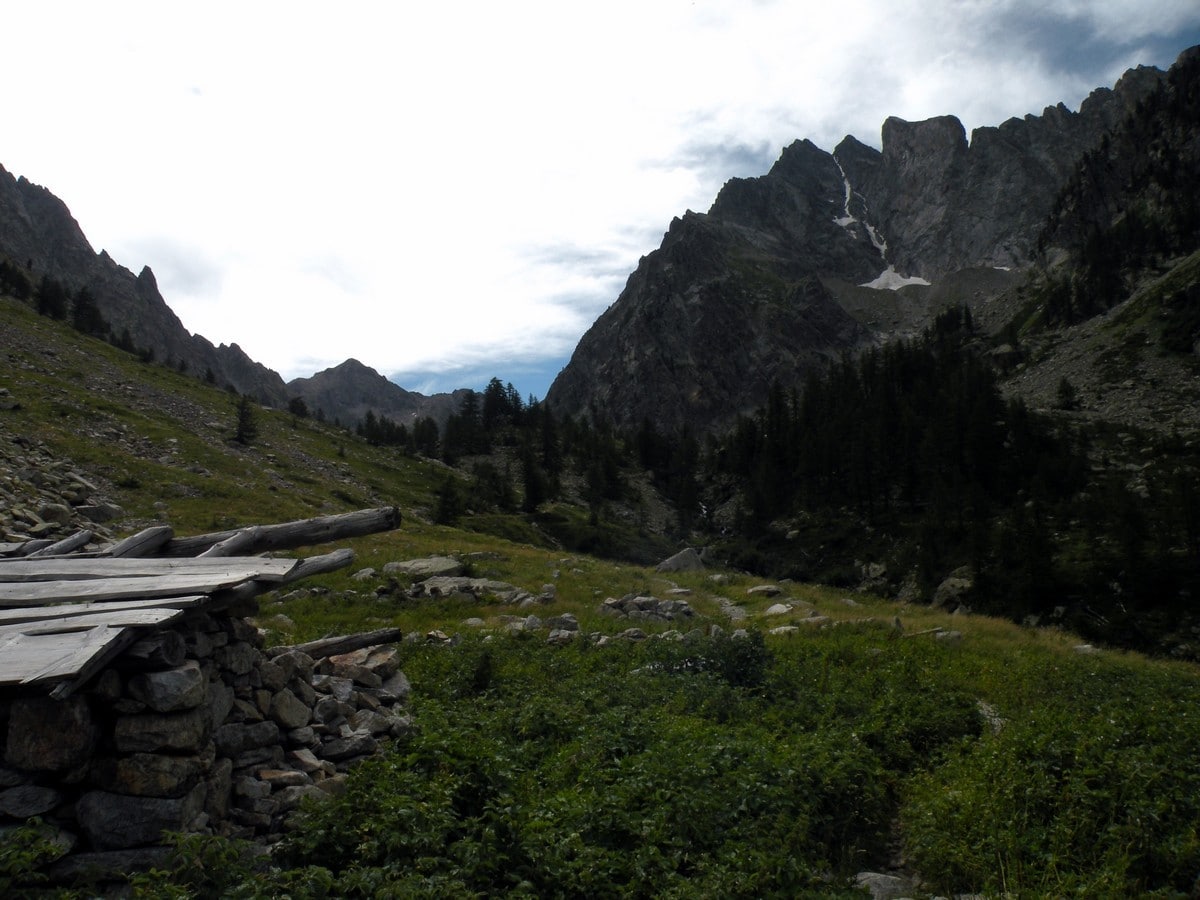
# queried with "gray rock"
point(425, 568)
point(149, 774)
point(954, 589)
point(884, 887)
point(764, 590)
point(236, 738)
point(116, 822)
point(28, 800)
point(566, 622)
point(183, 687)
point(340, 749)
point(687, 560)
point(288, 711)
point(396, 689)
point(46, 735)
point(184, 732)
point(238, 658)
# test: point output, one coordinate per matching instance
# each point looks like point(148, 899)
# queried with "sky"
point(454, 191)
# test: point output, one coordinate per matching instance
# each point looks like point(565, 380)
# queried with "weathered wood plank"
point(144, 543)
point(96, 662)
point(241, 541)
point(82, 568)
point(25, 659)
point(85, 608)
point(116, 619)
point(43, 593)
point(66, 545)
point(319, 565)
point(289, 535)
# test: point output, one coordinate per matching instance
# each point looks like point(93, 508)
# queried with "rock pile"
point(648, 609)
point(194, 729)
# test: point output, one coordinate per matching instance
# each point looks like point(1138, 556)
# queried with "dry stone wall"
point(194, 729)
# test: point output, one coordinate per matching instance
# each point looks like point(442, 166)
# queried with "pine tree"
point(247, 422)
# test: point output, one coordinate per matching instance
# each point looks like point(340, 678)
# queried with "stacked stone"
point(194, 729)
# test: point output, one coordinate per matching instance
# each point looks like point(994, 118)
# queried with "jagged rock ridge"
point(792, 268)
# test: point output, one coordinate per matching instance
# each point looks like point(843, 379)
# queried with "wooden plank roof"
point(62, 617)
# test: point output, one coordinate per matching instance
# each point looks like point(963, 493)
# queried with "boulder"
point(425, 568)
point(687, 560)
point(951, 593)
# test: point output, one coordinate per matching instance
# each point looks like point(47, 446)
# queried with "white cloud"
point(427, 187)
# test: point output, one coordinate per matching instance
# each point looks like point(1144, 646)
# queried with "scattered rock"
point(764, 590)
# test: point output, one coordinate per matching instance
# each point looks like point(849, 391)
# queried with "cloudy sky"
point(449, 191)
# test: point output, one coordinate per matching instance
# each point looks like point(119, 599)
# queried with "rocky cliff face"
point(38, 232)
point(706, 324)
point(945, 205)
point(827, 253)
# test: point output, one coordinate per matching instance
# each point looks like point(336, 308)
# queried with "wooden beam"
point(332, 646)
point(66, 545)
point(290, 535)
point(145, 543)
point(319, 565)
point(232, 546)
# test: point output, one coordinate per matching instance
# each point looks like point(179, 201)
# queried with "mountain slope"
point(38, 233)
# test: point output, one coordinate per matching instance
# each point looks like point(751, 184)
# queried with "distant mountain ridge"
point(39, 234)
point(828, 253)
point(354, 389)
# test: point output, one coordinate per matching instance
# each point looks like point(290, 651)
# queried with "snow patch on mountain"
point(891, 280)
